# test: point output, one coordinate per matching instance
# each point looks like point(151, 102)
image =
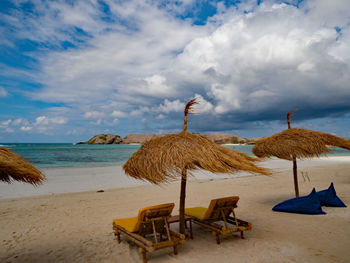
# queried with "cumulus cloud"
point(3, 92)
point(261, 64)
point(19, 121)
point(122, 57)
point(26, 128)
point(5, 123)
point(94, 115)
point(171, 106)
point(115, 122)
point(5, 126)
point(44, 124)
point(249, 63)
point(118, 114)
point(41, 124)
point(160, 117)
point(203, 106)
point(156, 87)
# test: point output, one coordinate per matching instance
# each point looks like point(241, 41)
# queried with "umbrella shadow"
point(273, 200)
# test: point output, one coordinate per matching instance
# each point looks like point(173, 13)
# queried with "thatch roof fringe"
point(300, 143)
point(14, 167)
point(162, 159)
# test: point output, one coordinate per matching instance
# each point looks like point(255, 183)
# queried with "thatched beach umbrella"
point(14, 167)
point(164, 158)
point(296, 143)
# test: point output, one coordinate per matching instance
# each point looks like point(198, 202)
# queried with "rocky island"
point(116, 139)
point(219, 138)
point(222, 138)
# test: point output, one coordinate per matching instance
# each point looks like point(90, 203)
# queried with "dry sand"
point(77, 227)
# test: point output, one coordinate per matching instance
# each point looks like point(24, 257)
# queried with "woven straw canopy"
point(297, 143)
point(14, 167)
point(164, 158)
point(170, 156)
point(300, 143)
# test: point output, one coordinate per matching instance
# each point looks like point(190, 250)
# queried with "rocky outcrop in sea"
point(137, 138)
point(219, 138)
point(104, 139)
point(116, 139)
point(222, 138)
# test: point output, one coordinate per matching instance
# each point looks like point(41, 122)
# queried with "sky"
point(72, 69)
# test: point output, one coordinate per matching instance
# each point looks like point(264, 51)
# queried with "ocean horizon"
point(47, 155)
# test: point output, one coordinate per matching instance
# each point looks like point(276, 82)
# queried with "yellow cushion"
point(132, 224)
point(129, 224)
point(197, 212)
point(203, 213)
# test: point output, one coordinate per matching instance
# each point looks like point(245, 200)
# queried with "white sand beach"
point(57, 222)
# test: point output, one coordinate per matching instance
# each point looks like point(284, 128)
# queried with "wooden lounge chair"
point(217, 217)
point(148, 228)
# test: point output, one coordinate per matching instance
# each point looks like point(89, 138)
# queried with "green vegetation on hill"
point(91, 141)
point(103, 137)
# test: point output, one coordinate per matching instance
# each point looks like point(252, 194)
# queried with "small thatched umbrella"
point(297, 143)
point(164, 158)
point(14, 167)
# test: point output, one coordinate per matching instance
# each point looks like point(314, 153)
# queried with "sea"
point(46, 155)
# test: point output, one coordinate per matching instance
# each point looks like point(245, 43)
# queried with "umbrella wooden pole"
point(182, 201)
point(185, 123)
point(295, 173)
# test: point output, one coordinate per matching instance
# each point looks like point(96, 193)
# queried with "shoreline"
point(340, 158)
point(337, 158)
point(65, 180)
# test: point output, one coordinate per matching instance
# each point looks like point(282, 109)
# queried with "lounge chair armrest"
point(178, 235)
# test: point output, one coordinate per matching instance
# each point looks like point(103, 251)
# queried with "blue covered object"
point(309, 204)
point(329, 197)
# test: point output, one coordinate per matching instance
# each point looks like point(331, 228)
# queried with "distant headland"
point(219, 138)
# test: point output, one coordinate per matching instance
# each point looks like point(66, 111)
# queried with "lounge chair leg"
point(118, 236)
point(242, 235)
point(217, 238)
point(143, 253)
point(175, 250)
point(191, 233)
